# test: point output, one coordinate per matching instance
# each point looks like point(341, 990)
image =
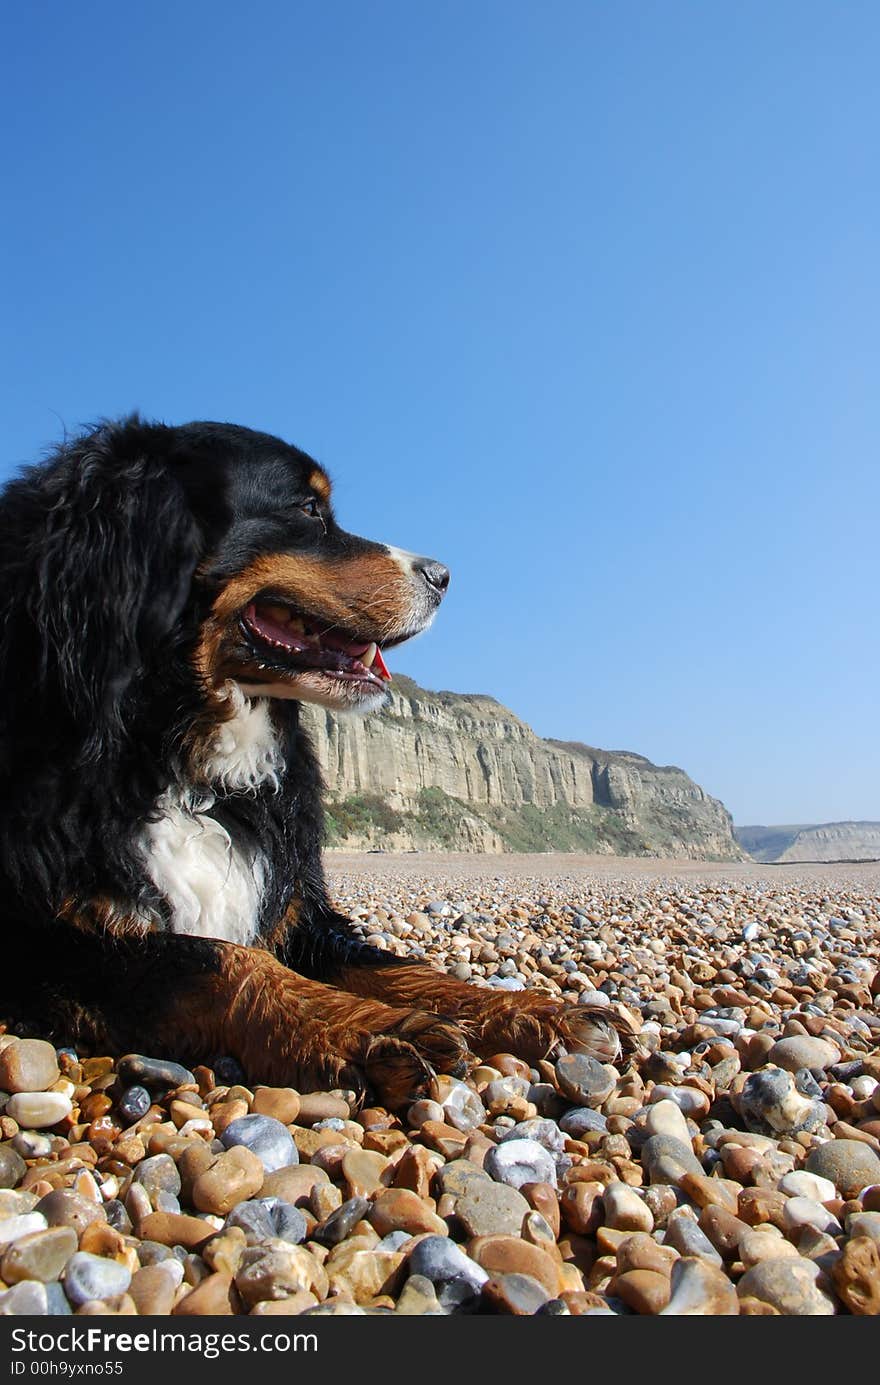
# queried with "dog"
point(169, 596)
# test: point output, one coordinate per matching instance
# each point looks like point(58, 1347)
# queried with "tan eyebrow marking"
point(320, 484)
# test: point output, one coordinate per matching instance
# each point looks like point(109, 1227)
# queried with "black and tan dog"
point(168, 597)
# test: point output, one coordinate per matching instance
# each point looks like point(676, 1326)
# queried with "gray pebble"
point(770, 1104)
point(667, 1160)
point(154, 1073)
point(457, 1279)
point(580, 1119)
point(90, 1276)
point(271, 1141)
point(803, 1051)
point(686, 1237)
point(394, 1240)
point(521, 1161)
point(340, 1223)
point(267, 1218)
point(545, 1132)
point(583, 1080)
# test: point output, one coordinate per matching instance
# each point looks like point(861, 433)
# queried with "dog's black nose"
point(435, 574)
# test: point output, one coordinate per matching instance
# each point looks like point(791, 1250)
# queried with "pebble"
point(66, 1207)
point(803, 1052)
point(418, 1298)
point(856, 1276)
point(583, 1080)
point(864, 1224)
point(134, 1103)
point(683, 1233)
point(39, 1110)
point(362, 1170)
point(770, 1103)
point(536, 1187)
point(29, 1065)
point(700, 1290)
point(158, 1175)
point(93, 1277)
point(39, 1255)
point(517, 1294)
point(516, 1162)
point(457, 1279)
point(581, 1119)
point(644, 1291)
point(216, 1296)
point(155, 1073)
point(269, 1218)
point(283, 1103)
point(799, 1212)
point(154, 1288)
point(500, 1255)
point(849, 1164)
point(12, 1228)
point(28, 1299)
point(266, 1137)
point(666, 1118)
point(398, 1209)
point(487, 1208)
point(12, 1167)
point(317, 1106)
point(340, 1223)
point(272, 1273)
point(765, 1243)
point(800, 1183)
point(230, 1179)
point(788, 1285)
point(666, 1159)
point(625, 1210)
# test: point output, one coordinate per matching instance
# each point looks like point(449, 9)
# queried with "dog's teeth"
point(368, 656)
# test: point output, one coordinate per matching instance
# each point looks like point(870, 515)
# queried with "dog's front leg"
point(530, 1024)
point(196, 998)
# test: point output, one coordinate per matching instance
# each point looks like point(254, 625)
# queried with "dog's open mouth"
point(283, 639)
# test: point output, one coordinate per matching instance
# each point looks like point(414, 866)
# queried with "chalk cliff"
point(460, 771)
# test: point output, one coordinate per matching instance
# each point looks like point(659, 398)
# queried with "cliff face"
point(830, 841)
point(462, 772)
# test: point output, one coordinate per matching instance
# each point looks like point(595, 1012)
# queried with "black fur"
point(111, 554)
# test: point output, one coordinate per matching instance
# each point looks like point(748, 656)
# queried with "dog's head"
point(298, 607)
point(141, 549)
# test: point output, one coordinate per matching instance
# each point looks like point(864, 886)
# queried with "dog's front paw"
point(533, 1026)
point(401, 1064)
point(596, 1031)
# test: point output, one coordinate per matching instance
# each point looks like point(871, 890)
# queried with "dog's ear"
point(108, 548)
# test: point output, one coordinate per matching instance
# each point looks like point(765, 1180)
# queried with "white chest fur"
point(214, 887)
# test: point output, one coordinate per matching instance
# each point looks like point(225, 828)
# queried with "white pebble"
point(11, 1228)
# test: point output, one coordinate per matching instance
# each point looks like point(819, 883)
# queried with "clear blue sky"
point(581, 298)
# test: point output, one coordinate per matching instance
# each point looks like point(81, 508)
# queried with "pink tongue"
point(272, 631)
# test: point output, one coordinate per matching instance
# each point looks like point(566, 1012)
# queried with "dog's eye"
point(310, 508)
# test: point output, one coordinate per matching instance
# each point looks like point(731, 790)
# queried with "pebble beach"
point(725, 1162)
